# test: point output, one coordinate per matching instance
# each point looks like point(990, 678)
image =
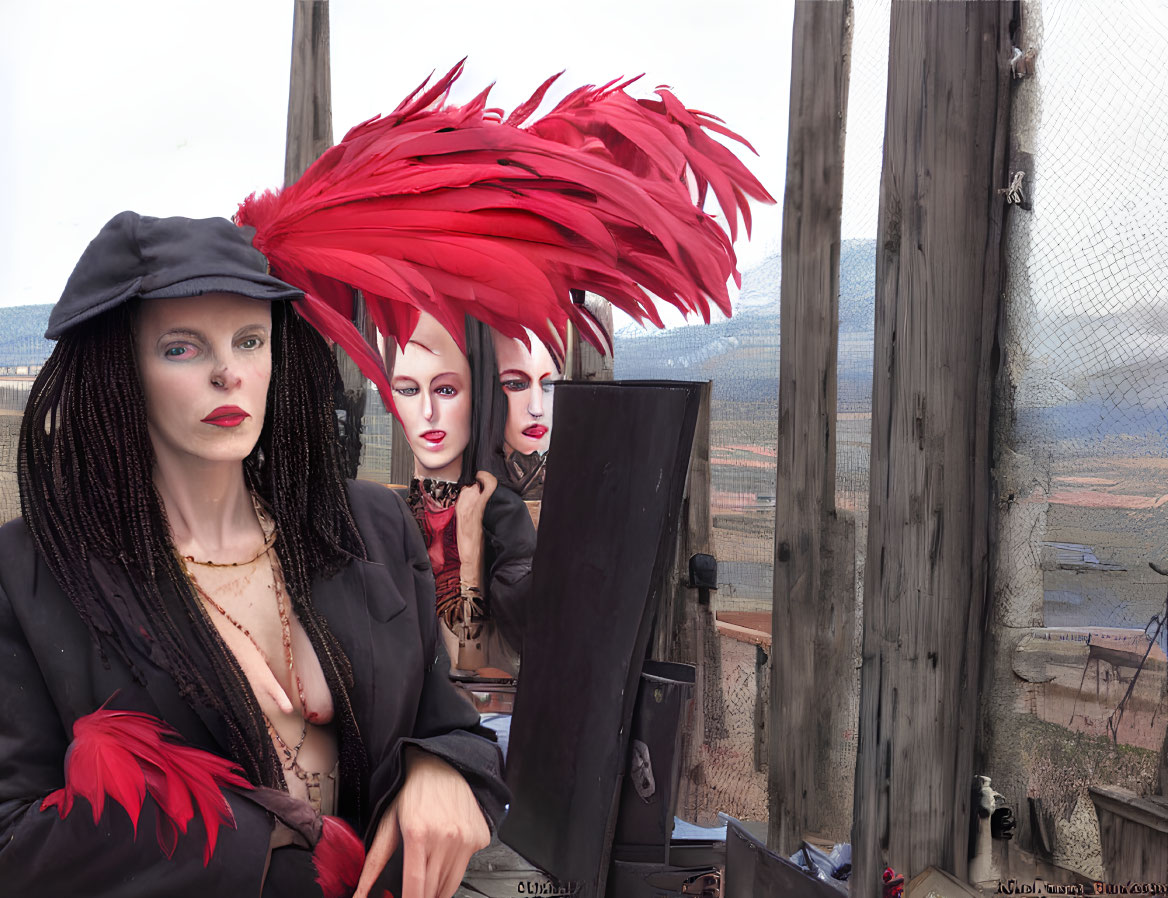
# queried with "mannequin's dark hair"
point(87, 493)
point(488, 415)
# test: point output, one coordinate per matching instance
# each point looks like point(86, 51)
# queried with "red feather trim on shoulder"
point(456, 210)
point(127, 755)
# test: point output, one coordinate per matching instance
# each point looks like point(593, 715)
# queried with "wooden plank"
point(744, 634)
point(1133, 833)
point(938, 288)
point(934, 883)
point(805, 682)
point(753, 620)
point(1150, 812)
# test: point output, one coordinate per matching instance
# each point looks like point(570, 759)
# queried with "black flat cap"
point(156, 258)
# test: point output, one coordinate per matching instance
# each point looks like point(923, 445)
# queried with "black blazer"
point(51, 673)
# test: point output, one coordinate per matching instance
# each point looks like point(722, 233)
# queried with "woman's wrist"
point(469, 572)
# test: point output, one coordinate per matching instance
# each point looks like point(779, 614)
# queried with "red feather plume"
point(338, 857)
point(454, 210)
point(126, 755)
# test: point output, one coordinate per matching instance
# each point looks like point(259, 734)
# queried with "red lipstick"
point(227, 416)
point(535, 432)
point(434, 436)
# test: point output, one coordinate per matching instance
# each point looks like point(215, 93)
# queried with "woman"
point(527, 374)
point(477, 532)
point(189, 549)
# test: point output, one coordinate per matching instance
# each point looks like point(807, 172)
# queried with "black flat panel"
point(663, 700)
point(616, 474)
point(754, 871)
point(633, 880)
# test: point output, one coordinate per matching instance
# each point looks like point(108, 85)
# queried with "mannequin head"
point(431, 385)
point(526, 377)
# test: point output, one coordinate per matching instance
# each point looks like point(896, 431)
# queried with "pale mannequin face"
point(527, 377)
point(205, 363)
point(431, 389)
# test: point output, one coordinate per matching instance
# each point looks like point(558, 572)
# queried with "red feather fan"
point(126, 755)
point(453, 210)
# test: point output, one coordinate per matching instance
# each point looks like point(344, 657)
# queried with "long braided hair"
point(85, 470)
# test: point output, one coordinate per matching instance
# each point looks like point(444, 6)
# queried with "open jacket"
point(51, 672)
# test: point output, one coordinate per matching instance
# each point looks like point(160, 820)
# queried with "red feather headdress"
point(454, 210)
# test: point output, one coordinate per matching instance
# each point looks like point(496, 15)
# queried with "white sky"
point(171, 107)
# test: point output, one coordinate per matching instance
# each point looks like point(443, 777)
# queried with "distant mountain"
point(22, 335)
point(741, 355)
point(760, 285)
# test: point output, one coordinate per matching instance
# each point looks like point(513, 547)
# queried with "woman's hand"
point(468, 510)
point(440, 826)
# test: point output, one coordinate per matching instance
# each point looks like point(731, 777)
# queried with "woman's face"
point(527, 377)
point(431, 390)
point(205, 363)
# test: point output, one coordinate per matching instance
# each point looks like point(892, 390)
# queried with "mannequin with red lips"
point(481, 562)
point(527, 374)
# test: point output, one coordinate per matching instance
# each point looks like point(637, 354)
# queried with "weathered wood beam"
point(401, 459)
point(310, 111)
point(310, 133)
point(938, 288)
point(807, 682)
point(401, 456)
point(354, 393)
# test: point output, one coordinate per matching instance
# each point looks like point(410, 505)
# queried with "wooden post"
point(352, 400)
point(310, 133)
point(310, 112)
point(938, 288)
point(807, 682)
point(401, 459)
point(686, 630)
point(584, 362)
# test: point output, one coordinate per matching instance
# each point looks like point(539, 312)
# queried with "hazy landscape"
point(1092, 417)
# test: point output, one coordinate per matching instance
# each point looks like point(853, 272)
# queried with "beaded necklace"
point(269, 542)
point(291, 762)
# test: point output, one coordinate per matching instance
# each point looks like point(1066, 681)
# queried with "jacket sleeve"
point(41, 854)
point(446, 724)
point(510, 545)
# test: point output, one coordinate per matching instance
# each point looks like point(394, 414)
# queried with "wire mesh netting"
point(13, 394)
point(376, 439)
point(1089, 336)
point(1082, 433)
